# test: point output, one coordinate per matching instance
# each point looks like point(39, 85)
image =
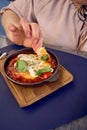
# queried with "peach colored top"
point(58, 20)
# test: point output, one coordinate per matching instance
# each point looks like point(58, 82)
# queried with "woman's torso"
point(58, 20)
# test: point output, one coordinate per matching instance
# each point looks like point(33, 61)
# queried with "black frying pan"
point(52, 78)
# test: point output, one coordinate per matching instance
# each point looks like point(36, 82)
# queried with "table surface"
point(58, 108)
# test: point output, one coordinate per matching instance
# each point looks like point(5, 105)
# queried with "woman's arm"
point(82, 2)
point(9, 17)
point(20, 31)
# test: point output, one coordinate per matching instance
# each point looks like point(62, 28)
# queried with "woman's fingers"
point(37, 45)
point(35, 32)
point(12, 28)
point(26, 28)
point(31, 30)
point(16, 34)
point(27, 34)
point(32, 33)
point(37, 37)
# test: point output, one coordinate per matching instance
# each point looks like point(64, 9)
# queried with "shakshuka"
point(31, 68)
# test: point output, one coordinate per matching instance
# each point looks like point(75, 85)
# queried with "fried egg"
point(34, 63)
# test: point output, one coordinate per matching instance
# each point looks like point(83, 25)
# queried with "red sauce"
point(11, 72)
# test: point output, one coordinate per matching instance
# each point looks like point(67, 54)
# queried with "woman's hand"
point(27, 34)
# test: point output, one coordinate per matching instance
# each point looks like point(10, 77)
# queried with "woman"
point(57, 23)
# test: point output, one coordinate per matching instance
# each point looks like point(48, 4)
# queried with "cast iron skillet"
point(53, 78)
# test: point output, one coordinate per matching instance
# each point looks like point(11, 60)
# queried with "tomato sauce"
point(13, 74)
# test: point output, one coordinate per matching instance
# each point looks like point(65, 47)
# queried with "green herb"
point(21, 65)
point(41, 71)
point(44, 57)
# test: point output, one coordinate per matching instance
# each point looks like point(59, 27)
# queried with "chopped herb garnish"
point(44, 57)
point(41, 71)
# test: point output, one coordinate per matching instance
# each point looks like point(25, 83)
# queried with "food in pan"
point(31, 67)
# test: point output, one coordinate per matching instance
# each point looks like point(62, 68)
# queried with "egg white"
point(34, 64)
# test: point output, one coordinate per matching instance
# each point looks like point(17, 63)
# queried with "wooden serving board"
point(26, 96)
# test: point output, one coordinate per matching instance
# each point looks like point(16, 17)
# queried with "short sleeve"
point(23, 8)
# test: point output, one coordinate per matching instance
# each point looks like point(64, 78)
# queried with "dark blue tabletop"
point(58, 108)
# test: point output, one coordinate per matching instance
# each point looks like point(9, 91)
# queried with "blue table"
point(61, 107)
